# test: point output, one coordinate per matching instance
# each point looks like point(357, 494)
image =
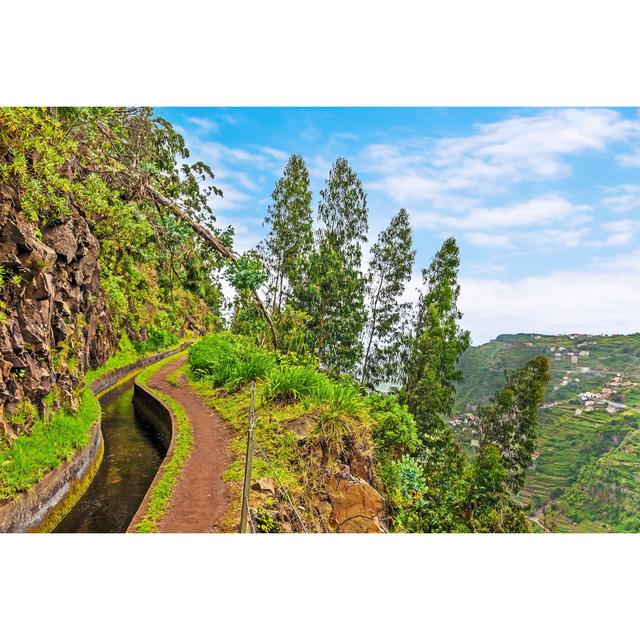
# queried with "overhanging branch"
point(217, 245)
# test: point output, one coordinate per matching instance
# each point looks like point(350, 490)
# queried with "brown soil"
point(199, 499)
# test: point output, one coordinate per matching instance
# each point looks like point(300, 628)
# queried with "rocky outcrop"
point(356, 507)
point(264, 485)
point(54, 324)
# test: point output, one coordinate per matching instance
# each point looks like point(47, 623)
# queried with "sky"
point(544, 203)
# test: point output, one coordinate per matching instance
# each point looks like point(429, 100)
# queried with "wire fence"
point(246, 519)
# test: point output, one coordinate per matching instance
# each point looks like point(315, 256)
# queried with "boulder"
point(264, 485)
point(302, 427)
point(361, 466)
point(62, 239)
point(356, 507)
point(40, 288)
point(8, 253)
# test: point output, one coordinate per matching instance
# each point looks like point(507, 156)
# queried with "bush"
point(157, 340)
point(339, 398)
point(394, 430)
point(406, 488)
point(229, 361)
point(255, 367)
point(292, 383)
point(266, 522)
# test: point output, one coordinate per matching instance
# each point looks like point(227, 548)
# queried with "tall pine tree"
point(390, 269)
point(290, 239)
point(438, 342)
point(332, 292)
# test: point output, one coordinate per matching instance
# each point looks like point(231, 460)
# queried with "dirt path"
point(199, 499)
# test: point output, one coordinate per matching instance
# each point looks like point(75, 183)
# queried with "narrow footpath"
point(199, 500)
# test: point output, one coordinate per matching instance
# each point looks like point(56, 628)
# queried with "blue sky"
point(543, 202)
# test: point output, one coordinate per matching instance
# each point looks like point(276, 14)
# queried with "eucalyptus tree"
point(438, 341)
point(509, 421)
point(331, 292)
point(290, 238)
point(390, 269)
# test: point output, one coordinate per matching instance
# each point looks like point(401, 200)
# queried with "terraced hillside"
point(587, 463)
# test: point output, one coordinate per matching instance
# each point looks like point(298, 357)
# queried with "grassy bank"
point(162, 492)
point(307, 424)
point(52, 441)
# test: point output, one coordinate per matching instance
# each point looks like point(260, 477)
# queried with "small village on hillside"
point(574, 367)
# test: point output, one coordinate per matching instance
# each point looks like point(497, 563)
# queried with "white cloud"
point(489, 268)
point(625, 197)
point(233, 198)
point(596, 299)
point(518, 149)
point(490, 240)
point(630, 159)
point(621, 232)
point(538, 141)
point(613, 234)
point(204, 125)
point(538, 211)
point(278, 154)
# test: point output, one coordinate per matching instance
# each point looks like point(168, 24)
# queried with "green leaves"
point(438, 342)
point(390, 269)
point(331, 292)
point(290, 238)
point(509, 421)
point(247, 273)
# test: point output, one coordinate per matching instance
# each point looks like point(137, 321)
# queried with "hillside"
point(89, 262)
point(584, 461)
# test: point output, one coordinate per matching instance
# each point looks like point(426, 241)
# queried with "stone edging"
point(42, 507)
point(157, 414)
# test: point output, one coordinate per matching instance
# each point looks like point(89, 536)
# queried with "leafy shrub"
point(341, 416)
point(292, 383)
point(339, 397)
point(255, 367)
point(230, 361)
point(394, 430)
point(157, 340)
point(214, 352)
point(406, 490)
point(266, 522)
point(24, 415)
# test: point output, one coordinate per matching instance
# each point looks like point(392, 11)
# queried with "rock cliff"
point(54, 324)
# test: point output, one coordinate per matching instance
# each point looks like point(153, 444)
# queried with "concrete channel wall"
point(159, 416)
point(42, 507)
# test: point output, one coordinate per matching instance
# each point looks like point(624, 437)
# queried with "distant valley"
point(586, 470)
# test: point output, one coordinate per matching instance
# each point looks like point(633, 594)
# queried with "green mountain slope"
point(581, 449)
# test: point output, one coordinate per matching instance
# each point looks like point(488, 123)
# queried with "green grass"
point(293, 383)
point(230, 361)
point(31, 456)
point(162, 492)
point(337, 412)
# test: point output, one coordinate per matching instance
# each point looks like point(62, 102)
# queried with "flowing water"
point(132, 455)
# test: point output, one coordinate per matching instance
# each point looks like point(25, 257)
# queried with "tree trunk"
point(218, 246)
point(374, 320)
